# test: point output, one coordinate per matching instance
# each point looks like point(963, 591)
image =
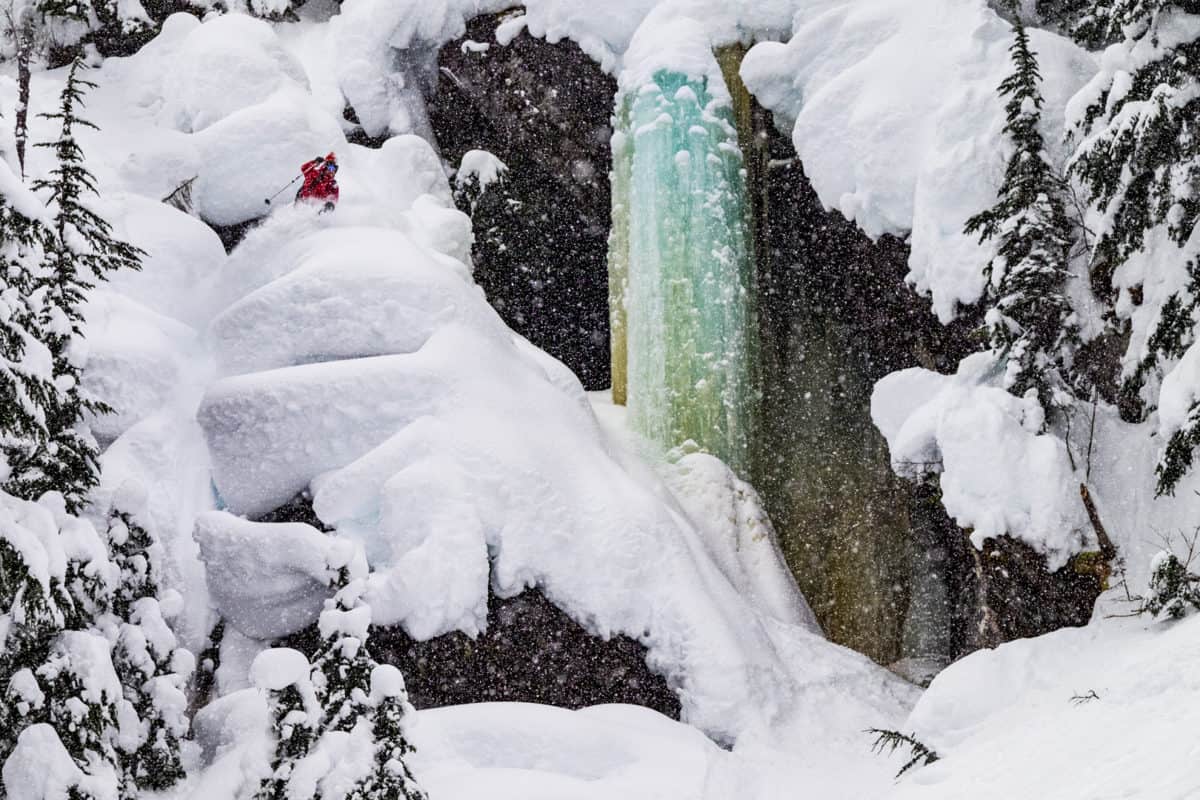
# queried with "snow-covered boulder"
point(898, 124)
point(182, 254)
point(248, 156)
point(999, 473)
point(361, 292)
point(268, 580)
point(136, 360)
point(228, 63)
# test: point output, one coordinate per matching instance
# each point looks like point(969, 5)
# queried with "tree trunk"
point(24, 39)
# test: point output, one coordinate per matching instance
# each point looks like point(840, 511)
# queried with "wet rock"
point(541, 237)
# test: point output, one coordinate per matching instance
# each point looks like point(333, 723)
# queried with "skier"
point(320, 182)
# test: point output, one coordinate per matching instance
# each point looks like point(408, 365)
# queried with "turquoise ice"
point(688, 270)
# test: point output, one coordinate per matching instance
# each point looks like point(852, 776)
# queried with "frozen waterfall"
point(682, 268)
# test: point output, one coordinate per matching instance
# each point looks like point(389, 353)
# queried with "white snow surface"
point(1025, 736)
point(432, 436)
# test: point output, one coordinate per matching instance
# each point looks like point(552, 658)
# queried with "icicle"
point(690, 285)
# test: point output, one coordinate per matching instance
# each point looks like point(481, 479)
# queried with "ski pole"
point(284, 189)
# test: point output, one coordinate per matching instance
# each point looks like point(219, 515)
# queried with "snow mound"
point(999, 475)
point(226, 64)
point(517, 750)
point(996, 744)
point(136, 360)
point(182, 253)
point(898, 124)
point(246, 157)
point(268, 580)
point(361, 292)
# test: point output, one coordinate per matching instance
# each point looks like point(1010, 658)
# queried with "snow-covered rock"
point(182, 253)
point(268, 580)
point(246, 157)
point(360, 292)
point(227, 64)
point(137, 360)
point(898, 124)
point(467, 459)
point(999, 473)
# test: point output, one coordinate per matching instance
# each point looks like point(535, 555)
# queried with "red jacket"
point(319, 183)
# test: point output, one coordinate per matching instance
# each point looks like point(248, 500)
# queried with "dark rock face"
point(886, 571)
point(541, 238)
point(836, 316)
point(1019, 597)
point(532, 652)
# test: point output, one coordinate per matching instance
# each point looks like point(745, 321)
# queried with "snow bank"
point(898, 124)
point(226, 64)
point(998, 474)
point(361, 292)
point(136, 360)
point(164, 458)
point(729, 514)
point(516, 750)
point(1030, 735)
point(268, 580)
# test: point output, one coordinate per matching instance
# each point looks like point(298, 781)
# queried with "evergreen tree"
point(25, 365)
point(56, 666)
point(294, 719)
point(390, 778)
point(342, 666)
point(82, 703)
point(1174, 592)
point(151, 667)
point(350, 690)
point(79, 249)
point(1029, 320)
point(32, 603)
point(114, 27)
point(1139, 159)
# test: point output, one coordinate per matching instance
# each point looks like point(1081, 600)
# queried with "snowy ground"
point(430, 416)
point(1020, 721)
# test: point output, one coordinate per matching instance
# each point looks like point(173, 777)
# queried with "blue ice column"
point(686, 268)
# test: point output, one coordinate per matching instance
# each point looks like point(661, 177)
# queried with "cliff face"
point(541, 236)
point(885, 570)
